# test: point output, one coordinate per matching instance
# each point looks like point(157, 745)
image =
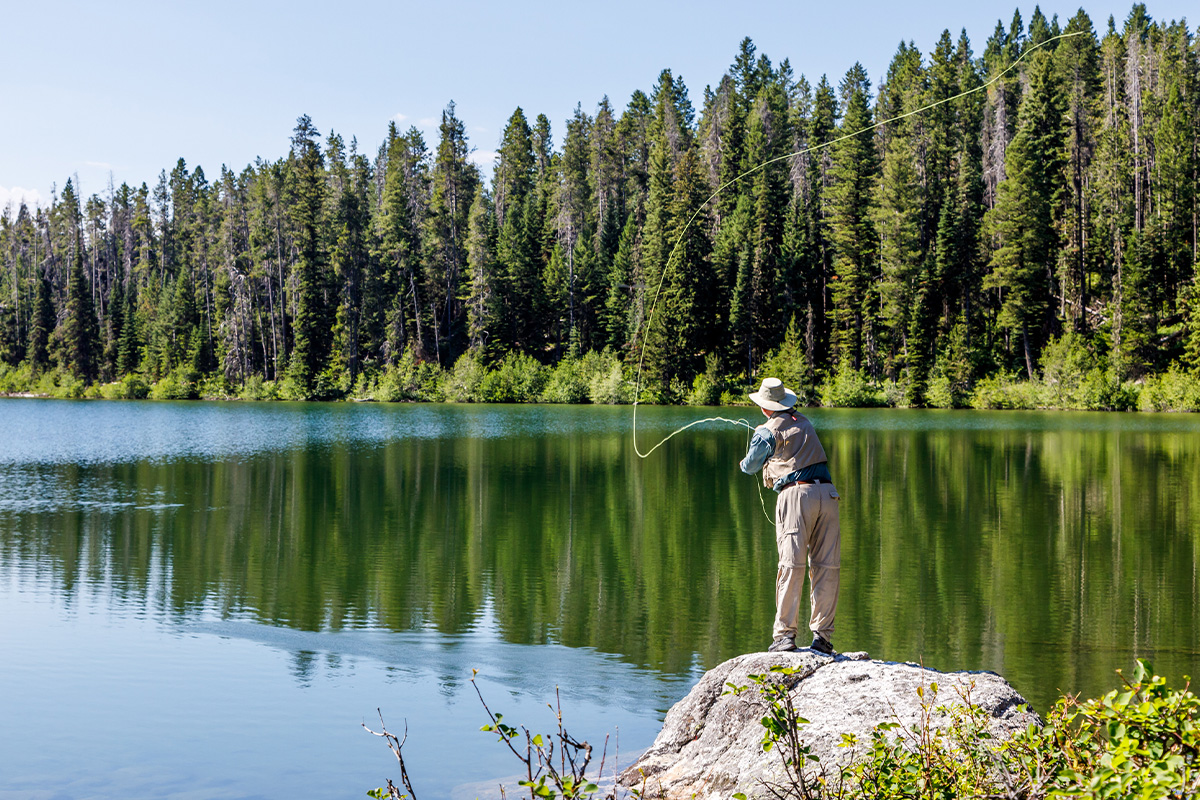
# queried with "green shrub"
point(16, 380)
point(604, 374)
point(517, 378)
point(387, 387)
point(463, 382)
point(1074, 376)
point(180, 384)
point(734, 397)
point(332, 383)
point(130, 387)
point(566, 383)
point(288, 388)
point(706, 387)
point(949, 384)
point(255, 388)
point(850, 388)
point(62, 384)
point(609, 386)
point(1142, 741)
point(897, 394)
point(214, 386)
point(1005, 391)
point(408, 378)
point(1174, 390)
point(940, 393)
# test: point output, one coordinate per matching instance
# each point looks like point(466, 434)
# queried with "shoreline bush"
point(1071, 377)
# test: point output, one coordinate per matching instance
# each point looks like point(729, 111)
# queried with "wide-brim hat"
point(774, 396)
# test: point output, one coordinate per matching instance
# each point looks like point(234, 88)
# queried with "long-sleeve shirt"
point(762, 447)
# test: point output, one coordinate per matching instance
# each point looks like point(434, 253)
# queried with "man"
point(793, 463)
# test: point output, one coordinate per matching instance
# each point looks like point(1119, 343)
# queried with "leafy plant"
point(1142, 741)
point(850, 388)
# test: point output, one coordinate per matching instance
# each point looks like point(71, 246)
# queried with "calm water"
point(207, 600)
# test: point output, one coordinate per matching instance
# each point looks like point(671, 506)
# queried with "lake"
point(209, 599)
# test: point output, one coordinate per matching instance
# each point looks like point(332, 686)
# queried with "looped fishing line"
point(727, 184)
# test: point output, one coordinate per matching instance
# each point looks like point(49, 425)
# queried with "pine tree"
point(605, 175)
point(519, 277)
point(483, 301)
point(1076, 61)
point(41, 325)
point(682, 330)
point(819, 267)
point(851, 231)
point(454, 181)
point(619, 320)
point(114, 325)
point(80, 337)
point(129, 349)
point(394, 315)
point(514, 175)
point(767, 138)
point(574, 203)
point(656, 248)
point(349, 222)
point(1003, 97)
point(898, 211)
point(311, 328)
point(1027, 208)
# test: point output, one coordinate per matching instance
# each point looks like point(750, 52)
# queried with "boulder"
point(710, 745)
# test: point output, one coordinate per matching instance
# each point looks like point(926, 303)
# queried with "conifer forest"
point(1033, 243)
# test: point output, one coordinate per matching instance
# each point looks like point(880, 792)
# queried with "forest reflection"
point(1051, 555)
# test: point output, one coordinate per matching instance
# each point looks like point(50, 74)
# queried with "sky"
point(120, 90)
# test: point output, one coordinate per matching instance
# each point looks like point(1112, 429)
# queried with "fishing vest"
point(796, 446)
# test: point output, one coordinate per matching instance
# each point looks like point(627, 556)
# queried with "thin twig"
point(396, 745)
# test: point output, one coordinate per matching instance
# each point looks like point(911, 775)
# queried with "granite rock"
point(710, 745)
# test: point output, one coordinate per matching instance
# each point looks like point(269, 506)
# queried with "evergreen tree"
point(898, 212)
point(1026, 211)
point(80, 336)
point(619, 319)
point(129, 349)
point(574, 204)
point(682, 329)
point(42, 323)
point(851, 231)
point(454, 182)
point(311, 329)
point(392, 320)
point(767, 138)
point(484, 306)
point(1076, 61)
point(349, 220)
point(515, 168)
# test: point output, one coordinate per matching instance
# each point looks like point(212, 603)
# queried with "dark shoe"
point(822, 645)
point(784, 644)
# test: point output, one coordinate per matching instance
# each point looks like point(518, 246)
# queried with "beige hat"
point(773, 396)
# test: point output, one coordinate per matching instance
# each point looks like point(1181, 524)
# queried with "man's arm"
point(762, 447)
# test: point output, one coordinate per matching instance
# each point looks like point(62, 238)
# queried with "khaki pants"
point(807, 530)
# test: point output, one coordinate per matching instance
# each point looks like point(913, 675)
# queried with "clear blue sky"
point(126, 88)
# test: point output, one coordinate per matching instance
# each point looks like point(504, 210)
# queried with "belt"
point(792, 483)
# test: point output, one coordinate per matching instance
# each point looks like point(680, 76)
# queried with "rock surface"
point(710, 745)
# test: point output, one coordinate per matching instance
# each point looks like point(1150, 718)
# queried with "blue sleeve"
point(762, 447)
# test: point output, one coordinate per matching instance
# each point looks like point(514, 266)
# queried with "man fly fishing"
point(793, 463)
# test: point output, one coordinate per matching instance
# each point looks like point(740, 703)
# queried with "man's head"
point(773, 396)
